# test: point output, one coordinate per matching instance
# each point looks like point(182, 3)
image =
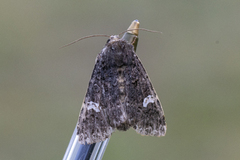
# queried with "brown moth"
point(119, 96)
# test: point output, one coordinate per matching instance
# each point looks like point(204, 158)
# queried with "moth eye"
point(108, 40)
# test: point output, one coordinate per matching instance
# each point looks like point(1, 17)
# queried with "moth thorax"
point(114, 38)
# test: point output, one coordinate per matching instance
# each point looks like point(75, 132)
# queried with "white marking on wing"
point(94, 106)
point(148, 99)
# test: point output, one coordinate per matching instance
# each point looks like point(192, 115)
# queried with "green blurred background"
point(194, 66)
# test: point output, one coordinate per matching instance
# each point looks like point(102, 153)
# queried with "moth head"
point(113, 38)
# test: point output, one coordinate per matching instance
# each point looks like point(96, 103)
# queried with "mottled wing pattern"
point(150, 119)
point(120, 95)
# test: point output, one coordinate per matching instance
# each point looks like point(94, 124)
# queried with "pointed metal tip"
point(133, 28)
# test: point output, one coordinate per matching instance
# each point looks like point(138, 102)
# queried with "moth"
point(120, 95)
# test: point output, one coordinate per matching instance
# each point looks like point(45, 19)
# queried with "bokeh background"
point(194, 66)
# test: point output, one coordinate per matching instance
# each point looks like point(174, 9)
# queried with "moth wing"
point(103, 109)
point(144, 110)
point(93, 124)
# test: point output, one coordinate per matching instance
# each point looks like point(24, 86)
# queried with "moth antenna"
point(143, 29)
point(134, 40)
point(94, 35)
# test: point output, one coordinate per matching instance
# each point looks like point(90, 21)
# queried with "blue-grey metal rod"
point(77, 151)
